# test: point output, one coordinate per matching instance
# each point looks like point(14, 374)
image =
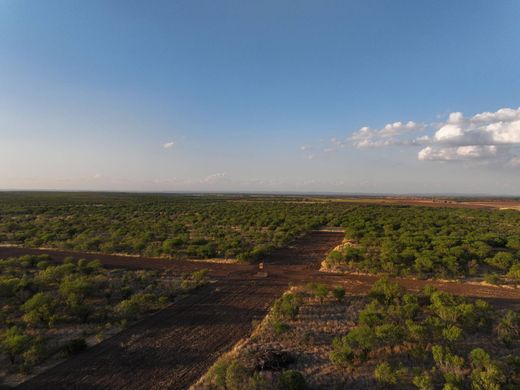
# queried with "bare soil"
point(174, 347)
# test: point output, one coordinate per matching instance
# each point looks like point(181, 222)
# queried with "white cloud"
point(459, 153)
point(168, 145)
point(398, 128)
point(305, 148)
point(448, 132)
point(214, 178)
point(366, 137)
point(488, 136)
point(488, 128)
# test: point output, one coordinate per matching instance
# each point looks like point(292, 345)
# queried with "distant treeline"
point(398, 240)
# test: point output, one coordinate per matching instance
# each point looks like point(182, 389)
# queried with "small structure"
point(261, 273)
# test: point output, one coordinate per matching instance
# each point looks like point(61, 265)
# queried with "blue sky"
point(263, 95)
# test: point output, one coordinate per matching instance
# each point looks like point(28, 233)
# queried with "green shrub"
point(502, 260)
point(131, 308)
point(8, 286)
point(39, 309)
point(291, 380)
point(219, 372)
point(486, 375)
point(508, 328)
point(416, 332)
point(34, 354)
point(14, 342)
point(372, 314)
point(514, 272)
point(280, 327)
point(384, 374)
point(362, 339)
point(342, 353)
point(237, 377)
point(492, 278)
point(452, 333)
point(42, 264)
point(200, 277)
point(450, 364)
point(320, 291)
point(339, 293)
point(287, 307)
point(386, 292)
point(423, 381)
point(389, 334)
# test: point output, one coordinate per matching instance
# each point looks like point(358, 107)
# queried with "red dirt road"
point(174, 347)
point(130, 262)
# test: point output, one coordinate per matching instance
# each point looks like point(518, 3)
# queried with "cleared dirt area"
point(170, 349)
point(174, 347)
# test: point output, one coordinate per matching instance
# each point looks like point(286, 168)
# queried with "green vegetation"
point(49, 311)
point(388, 339)
point(157, 225)
point(398, 240)
point(230, 374)
point(431, 340)
point(430, 242)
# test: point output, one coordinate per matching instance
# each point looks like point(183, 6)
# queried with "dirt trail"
point(174, 347)
point(130, 262)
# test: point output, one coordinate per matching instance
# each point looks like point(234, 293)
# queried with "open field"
point(174, 347)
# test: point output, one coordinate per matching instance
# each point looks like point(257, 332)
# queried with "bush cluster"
point(430, 328)
point(40, 301)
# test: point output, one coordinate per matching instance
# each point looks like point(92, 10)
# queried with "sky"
point(401, 96)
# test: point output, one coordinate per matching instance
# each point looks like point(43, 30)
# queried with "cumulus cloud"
point(457, 153)
point(486, 136)
point(488, 128)
point(389, 135)
point(168, 145)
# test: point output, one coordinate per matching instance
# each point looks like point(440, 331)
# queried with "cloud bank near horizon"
point(486, 138)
